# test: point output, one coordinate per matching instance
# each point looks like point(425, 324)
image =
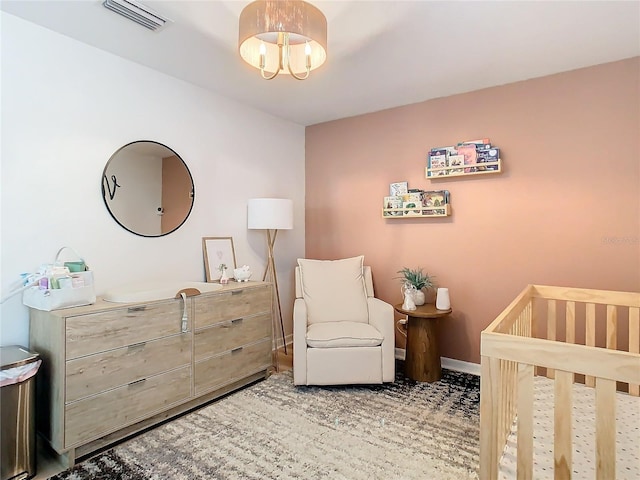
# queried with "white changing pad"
point(584, 459)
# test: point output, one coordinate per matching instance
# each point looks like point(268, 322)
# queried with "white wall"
point(67, 107)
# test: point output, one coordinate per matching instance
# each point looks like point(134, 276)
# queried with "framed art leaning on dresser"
point(218, 254)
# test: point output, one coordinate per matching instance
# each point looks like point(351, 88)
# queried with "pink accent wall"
point(565, 211)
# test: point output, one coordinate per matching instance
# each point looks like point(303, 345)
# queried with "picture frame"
point(218, 251)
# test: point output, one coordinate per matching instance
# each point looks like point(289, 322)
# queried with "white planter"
point(419, 298)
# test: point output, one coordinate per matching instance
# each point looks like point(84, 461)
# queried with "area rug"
point(274, 430)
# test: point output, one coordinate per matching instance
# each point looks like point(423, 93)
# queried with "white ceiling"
point(381, 54)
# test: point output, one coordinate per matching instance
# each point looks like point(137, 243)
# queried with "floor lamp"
point(271, 214)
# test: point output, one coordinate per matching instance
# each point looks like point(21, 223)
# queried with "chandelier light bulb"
point(263, 53)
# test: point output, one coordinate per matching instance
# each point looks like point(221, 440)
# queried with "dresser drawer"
point(98, 332)
point(94, 417)
point(103, 371)
point(231, 334)
point(231, 305)
point(232, 365)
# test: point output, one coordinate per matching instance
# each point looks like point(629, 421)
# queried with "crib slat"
point(634, 342)
point(562, 426)
point(501, 407)
point(551, 328)
point(612, 326)
point(605, 429)
point(536, 329)
point(490, 446)
point(590, 336)
point(524, 468)
point(570, 325)
point(510, 391)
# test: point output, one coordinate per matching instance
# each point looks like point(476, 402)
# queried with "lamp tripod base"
point(271, 275)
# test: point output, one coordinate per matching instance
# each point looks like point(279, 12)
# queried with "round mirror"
point(148, 188)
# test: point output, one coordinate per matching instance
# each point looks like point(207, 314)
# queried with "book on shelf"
point(437, 159)
point(470, 154)
point(412, 209)
point(487, 156)
point(434, 211)
point(415, 197)
point(393, 201)
point(483, 147)
point(435, 198)
point(398, 188)
point(480, 141)
point(450, 149)
point(455, 161)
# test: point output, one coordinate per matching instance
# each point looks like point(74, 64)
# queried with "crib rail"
point(570, 335)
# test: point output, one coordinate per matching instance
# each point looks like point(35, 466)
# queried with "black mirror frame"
point(111, 194)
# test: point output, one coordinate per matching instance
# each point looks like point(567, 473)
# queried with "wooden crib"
point(570, 335)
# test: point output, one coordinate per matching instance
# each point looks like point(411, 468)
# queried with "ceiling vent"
point(138, 13)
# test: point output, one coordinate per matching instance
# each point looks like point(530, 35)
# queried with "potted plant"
point(417, 279)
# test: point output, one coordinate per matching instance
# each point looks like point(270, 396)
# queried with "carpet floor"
point(273, 430)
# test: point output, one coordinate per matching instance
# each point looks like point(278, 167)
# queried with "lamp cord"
point(401, 326)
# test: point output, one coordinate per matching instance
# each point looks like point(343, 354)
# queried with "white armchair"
point(341, 333)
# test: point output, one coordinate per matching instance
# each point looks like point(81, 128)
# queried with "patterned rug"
point(274, 430)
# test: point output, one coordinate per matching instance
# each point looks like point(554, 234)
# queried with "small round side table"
point(422, 360)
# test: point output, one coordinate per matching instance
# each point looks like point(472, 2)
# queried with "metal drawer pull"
point(137, 382)
point(185, 317)
point(137, 346)
point(236, 350)
point(237, 292)
point(236, 321)
point(141, 308)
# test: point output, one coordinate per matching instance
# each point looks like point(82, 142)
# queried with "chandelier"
point(283, 36)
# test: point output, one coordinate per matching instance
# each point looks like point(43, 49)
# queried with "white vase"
point(442, 299)
point(419, 298)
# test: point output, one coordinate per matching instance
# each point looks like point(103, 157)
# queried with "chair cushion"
point(334, 290)
point(343, 334)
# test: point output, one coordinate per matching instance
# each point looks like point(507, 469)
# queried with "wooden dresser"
point(112, 369)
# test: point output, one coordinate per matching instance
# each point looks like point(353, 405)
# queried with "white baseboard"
point(288, 340)
point(460, 366)
point(448, 363)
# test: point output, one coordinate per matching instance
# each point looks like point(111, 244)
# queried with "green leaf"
point(416, 277)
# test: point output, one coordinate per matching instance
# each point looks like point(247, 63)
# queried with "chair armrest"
point(382, 318)
point(299, 342)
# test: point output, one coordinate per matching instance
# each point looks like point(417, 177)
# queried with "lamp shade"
point(270, 214)
point(264, 24)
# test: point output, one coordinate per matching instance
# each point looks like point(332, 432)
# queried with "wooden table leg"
point(422, 362)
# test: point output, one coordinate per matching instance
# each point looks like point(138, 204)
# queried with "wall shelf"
point(454, 171)
point(425, 212)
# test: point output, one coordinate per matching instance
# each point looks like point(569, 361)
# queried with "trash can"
point(18, 367)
